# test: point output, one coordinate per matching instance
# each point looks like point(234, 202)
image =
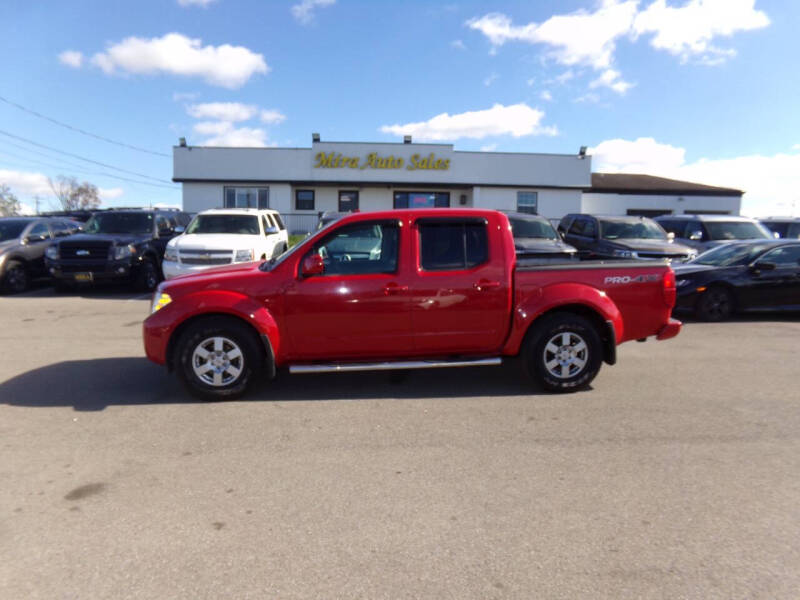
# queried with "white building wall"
point(551, 203)
point(618, 204)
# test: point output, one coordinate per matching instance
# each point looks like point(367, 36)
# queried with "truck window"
point(452, 245)
point(361, 248)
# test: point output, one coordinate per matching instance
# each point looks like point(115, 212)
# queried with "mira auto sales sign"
point(373, 160)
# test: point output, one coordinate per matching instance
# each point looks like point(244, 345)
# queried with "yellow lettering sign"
point(334, 160)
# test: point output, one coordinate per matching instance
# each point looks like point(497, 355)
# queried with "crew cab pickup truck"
point(405, 289)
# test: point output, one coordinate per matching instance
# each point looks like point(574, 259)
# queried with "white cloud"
point(181, 96)
point(223, 111)
point(202, 3)
point(304, 12)
point(272, 117)
point(611, 79)
point(565, 76)
point(223, 133)
point(25, 183)
point(687, 31)
point(489, 148)
point(770, 182)
point(71, 58)
point(516, 120)
point(458, 45)
point(546, 96)
point(579, 38)
point(491, 79)
point(227, 66)
point(110, 193)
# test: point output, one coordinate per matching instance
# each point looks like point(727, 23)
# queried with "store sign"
point(334, 160)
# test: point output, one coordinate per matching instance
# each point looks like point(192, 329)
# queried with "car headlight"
point(52, 252)
point(244, 255)
point(121, 252)
point(171, 254)
point(160, 300)
point(623, 253)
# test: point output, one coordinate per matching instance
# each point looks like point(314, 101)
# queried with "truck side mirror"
point(670, 236)
point(313, 264)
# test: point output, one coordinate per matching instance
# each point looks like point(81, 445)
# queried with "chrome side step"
point(391, 366)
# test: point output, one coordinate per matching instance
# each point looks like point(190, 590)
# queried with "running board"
point(391, 366)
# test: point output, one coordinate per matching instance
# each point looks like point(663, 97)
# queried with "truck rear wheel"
point(218, 358)
point(563, 353)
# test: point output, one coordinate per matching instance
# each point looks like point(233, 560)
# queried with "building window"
point(421, 199)
point(528, 202)
point(304, 199)
point(348, 200)
point(246, 197)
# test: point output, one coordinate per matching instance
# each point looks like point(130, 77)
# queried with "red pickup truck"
point(405, 289)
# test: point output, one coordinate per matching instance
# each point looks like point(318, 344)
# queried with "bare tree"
point(9, 204)
point(73, 195)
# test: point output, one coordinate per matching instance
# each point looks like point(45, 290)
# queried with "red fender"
point(160, 327)
point(547, 298)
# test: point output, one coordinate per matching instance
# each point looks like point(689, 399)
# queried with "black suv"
point(117, 245)
point(620, 237)
point(783, 227)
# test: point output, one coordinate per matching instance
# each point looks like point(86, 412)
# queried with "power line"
point(107, 166)
point(79, 130)
point(81, 170)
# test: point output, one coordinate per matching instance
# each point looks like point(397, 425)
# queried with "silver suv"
point(706, 231)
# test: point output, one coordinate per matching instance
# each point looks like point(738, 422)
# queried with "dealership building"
point(300, 183)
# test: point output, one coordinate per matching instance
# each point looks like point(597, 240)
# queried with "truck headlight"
point(160, 300)
point(121, 252)
point(52, 252)
point(244, 255)
point(171, 254)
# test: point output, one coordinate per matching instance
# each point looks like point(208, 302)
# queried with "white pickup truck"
point(225, 236)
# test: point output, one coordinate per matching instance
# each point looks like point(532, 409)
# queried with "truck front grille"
point(205, 257)
point(84, 250)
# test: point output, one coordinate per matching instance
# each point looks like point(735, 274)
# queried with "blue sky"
point(704, 90)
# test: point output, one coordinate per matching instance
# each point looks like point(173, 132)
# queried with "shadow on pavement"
point(749, 317)
point(106, 291)
point(96, 384)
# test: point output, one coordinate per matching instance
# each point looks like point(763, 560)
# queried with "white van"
point(225, 236)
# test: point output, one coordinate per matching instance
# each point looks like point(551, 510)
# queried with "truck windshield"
point(120, 223)
point(238, 224)
point(10, 230)
point(642, 230)
point(735, 230)
point(532, 228)
point(731, 255)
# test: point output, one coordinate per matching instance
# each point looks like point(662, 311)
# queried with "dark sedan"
point(759, 275)
point(535, 238)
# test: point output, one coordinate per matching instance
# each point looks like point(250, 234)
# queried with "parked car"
point(535, 238)
point(328, 217)
point(23, 241)
point(225, 236)
point(703, 232)
point(621, 237)
point(436, 289)
point(115, 246)
point(741, 276)
point(783, 227)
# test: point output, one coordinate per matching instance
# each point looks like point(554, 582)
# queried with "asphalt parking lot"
point(676, 476)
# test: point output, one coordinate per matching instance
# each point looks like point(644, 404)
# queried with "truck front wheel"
point(563, 353)
point(218, 358)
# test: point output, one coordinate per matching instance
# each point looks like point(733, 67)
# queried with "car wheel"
point(147, 280)
point(218, 358)
point(716, 304)
point(16, 279)
point(563, 353)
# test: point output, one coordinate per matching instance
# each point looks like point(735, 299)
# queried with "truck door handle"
point(390, 289)
point(485, 284)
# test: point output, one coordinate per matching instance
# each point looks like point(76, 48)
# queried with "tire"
point(16, 279)
point(147, 278)
point(563, 353)
point(236, 368)
point(716, 304)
